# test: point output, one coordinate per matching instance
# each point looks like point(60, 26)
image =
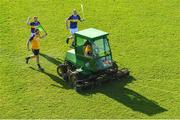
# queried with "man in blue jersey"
point(33, 24)
point(73, 19)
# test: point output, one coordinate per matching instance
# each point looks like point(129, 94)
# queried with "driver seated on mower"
point(88, 49)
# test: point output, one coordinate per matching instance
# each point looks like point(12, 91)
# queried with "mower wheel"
point(78, 89)
point(62, 71)
point(123, 73)
point(72, 79)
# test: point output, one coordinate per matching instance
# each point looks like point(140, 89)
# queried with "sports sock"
point(28, 57)
point(39, 65)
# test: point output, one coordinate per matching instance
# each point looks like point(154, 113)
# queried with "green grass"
point(144, 37)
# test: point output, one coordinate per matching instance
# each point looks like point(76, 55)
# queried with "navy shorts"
point(35, 51)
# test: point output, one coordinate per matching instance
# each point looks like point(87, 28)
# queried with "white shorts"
point(32, 34)
point(73, 30)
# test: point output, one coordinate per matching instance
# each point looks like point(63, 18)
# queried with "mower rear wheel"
point(78, 89)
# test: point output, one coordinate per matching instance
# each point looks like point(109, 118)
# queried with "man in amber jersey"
point(35, 46)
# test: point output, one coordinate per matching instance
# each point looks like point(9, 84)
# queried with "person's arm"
point(79, 18)
point(28, 43)
point(67, 21)
point(39, 23)
point(28, 21)
point(43, 36)
point(67, 27)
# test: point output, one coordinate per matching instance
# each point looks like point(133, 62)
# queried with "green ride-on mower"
point(90, 62)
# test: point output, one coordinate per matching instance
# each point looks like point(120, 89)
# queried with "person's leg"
point(70, 36)
point(38, 64)
point(37, 60)
point(73, 40)
point(72, 31)
point(73, 36)
point(30, 57)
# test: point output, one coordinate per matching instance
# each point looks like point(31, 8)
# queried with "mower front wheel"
point(123, 73)
point(72, 80)
point(62, 71)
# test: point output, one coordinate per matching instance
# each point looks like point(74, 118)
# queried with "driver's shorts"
point(73, 30)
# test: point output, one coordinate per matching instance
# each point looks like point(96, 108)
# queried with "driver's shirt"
point(88, 49)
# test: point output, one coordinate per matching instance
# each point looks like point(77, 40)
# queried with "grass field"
point(144, 37)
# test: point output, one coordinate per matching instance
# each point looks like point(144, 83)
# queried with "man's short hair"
point(35, 17)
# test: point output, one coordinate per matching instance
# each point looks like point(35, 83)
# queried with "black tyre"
point(125, 71)
point(78, 89)
point(72, 80)
point(70, 66)
point(122, 73)
point(62, 71)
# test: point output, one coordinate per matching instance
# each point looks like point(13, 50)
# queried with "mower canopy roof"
point(91, 33)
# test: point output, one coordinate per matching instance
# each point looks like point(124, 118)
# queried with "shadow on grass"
point(51, 59)
point(55, 78)
point(115, 90)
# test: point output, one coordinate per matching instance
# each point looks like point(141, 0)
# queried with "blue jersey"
point(34, 25)
point(73, 20)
